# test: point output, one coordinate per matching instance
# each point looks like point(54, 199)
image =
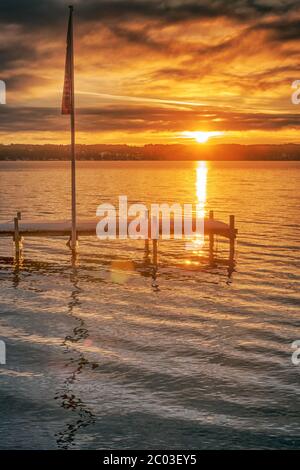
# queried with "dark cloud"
point(138, 37)
point(175, 10)
point(23, 81)
point(33, 13)
point(38, 13)
point(281, 29)
point(141, 119)
point(13, 55)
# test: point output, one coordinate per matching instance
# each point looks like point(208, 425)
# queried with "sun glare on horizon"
point(201, 136)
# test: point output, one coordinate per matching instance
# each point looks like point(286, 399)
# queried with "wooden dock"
point(18, 229)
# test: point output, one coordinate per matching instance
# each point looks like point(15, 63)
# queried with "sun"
point(200, 136)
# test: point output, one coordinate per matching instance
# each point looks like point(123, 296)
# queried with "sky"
point(152, 71)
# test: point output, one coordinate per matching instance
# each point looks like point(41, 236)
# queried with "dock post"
point(155, 251)
point(74, 248)
point(19, 215)
point(147, 249)
point(155, 233)
point(232, 238)
point(155, 240)
point(211, 240)
point(17, 239)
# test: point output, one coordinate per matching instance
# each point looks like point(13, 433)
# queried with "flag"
point(67, 99)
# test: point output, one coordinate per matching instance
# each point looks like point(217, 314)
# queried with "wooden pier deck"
point(18, 229)
point(60, 228)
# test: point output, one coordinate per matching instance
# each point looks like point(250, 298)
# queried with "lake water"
point(110, 354)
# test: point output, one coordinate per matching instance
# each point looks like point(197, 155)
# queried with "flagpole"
point(72, 122)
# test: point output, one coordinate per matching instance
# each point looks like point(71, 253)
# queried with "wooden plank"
point(57, 228)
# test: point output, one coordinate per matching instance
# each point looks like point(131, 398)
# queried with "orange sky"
point(148, 70)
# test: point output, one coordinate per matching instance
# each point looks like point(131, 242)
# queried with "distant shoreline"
point(176, 152)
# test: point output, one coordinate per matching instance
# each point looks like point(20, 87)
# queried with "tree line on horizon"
point(285, 152)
